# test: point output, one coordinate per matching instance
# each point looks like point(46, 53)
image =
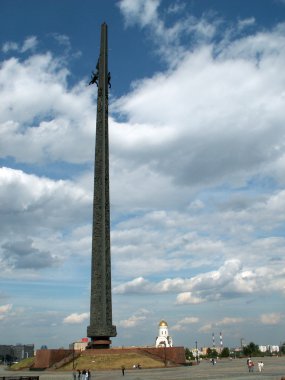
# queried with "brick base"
point(46, 358)
point(171, 355)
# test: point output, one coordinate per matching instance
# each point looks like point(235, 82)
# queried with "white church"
point(163, 339)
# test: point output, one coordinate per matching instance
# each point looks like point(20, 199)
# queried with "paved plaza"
point(274, 369)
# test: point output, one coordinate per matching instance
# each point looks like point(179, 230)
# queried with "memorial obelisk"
point(101, 327)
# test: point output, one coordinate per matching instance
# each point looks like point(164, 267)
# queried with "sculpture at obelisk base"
point(101, 328)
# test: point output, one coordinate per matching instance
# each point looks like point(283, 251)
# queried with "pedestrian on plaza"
point(89, 374)
point(250, 365)
point(123, 370)
point(79, 374)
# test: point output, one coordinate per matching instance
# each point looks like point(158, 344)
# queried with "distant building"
point(79, 345)
point(16, 353)
point(204, 350)
point(262, 348)
point(197, 352)
point(273, 349)
point(269, 348)
point(163, 339)
point(6, 353)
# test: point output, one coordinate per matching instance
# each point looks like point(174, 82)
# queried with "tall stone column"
point(101, 328)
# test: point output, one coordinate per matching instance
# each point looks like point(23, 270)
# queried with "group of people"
point(250, 365)
point(260, 366)
point(82, 375)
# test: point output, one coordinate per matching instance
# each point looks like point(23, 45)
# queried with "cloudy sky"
point(197, 159)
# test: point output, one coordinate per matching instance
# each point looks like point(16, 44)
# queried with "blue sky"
point(197, 160)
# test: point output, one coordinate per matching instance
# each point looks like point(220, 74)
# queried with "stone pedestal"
point(99, 344)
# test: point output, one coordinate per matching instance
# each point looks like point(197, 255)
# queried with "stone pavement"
point(274, 369)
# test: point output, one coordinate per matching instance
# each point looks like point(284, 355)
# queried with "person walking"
point(250, 365)
point(123, 370)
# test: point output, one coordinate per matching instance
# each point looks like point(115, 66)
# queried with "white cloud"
point(43, 227)
point(167, 38)
point(39, 196)
point(223, 149)
point(134, 320)
point(4, 311)
point(188, 297)
point(76, 318)
point(38, 112)
point(206, 328)
point(24, 255)
point(135, 286)
point(142, 12)
point(271, 318)
point(63, 40)
point(230, 280)
point(188, 320)
point(176, 8)
point(9, 46)
point(29, 44)
point(183, 323)
point(246, 22)
point(230, 321)
point(5, 308)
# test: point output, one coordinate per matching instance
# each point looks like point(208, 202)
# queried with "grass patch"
point(25, 363)
point(113, 361)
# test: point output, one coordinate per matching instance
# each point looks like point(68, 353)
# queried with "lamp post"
point(165, 361)
point(197, 353)
point(73, 356)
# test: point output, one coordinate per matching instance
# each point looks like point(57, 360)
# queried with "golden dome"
point(163, 323)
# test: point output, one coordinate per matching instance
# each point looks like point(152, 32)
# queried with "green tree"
point(214, 353)
point(225, 352)
point(211, 353)
point(282, 348)
point(188, 354)
point(251, 349)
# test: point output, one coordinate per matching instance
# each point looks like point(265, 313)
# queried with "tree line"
point(251, 349)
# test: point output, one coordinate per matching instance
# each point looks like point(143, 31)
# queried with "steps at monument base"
point(159, 356)
point(47, 358)
point(66, 360)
